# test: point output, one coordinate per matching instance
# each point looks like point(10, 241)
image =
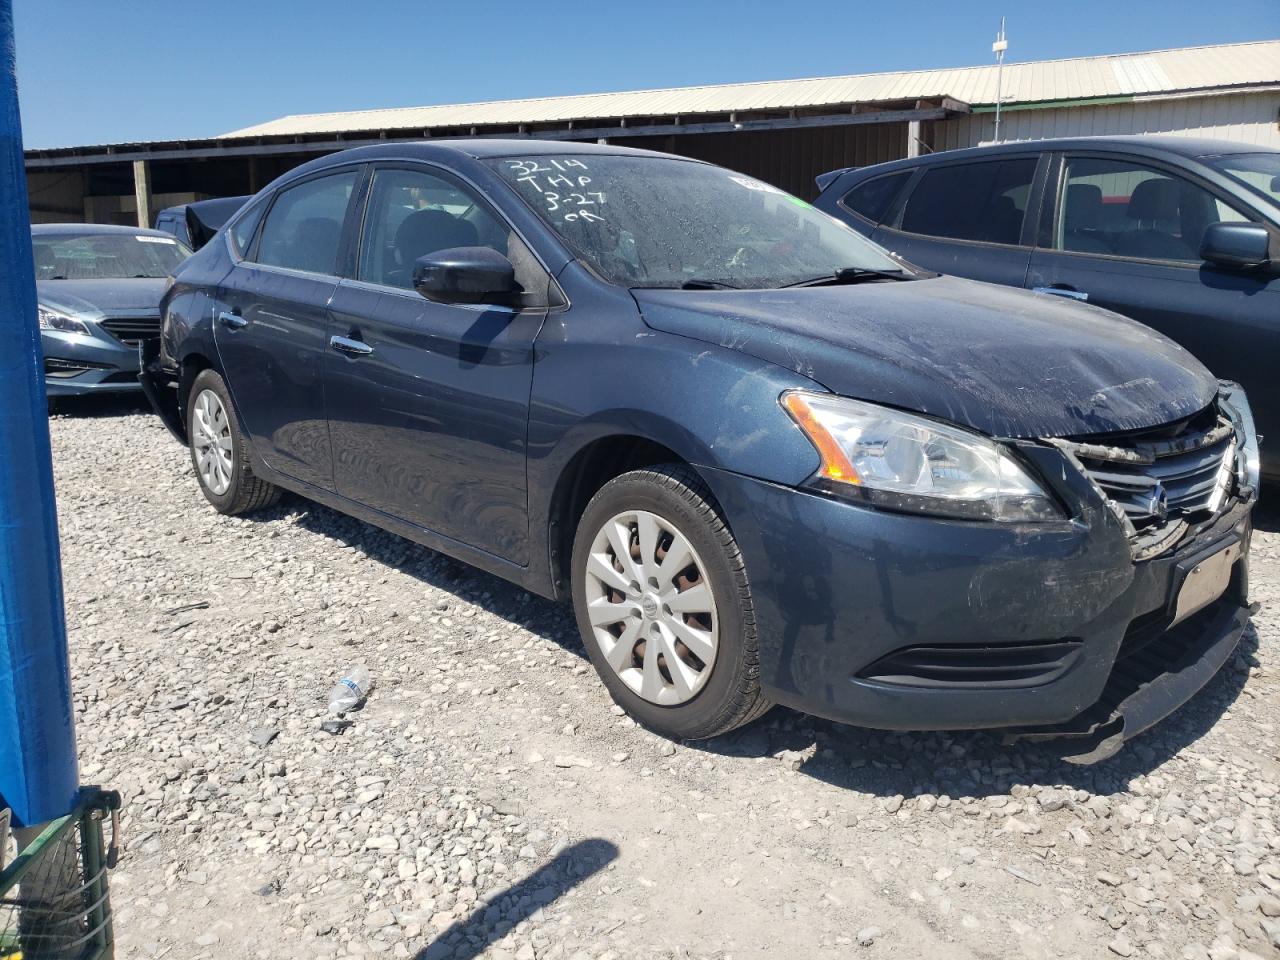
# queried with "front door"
point(1127, 237)
point(272, 327)
point(428, 402)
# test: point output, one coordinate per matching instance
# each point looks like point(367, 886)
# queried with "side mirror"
point(1235, 245)
point(466, 275)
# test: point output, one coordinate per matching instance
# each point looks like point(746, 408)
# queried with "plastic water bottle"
point(349, 692)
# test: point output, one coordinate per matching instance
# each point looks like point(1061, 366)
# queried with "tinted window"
point(304, 227)
point(872, 198)
point(412, 213)
point(657, 222)
point(1124, 209)
point(972, 201)
point(243, 230)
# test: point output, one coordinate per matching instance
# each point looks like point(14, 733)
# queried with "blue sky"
point(108, 71)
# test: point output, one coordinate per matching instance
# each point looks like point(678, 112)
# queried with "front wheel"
point(219, 452)
point(664, 606)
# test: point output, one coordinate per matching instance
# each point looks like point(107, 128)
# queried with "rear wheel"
point(663, 603)
point(219, 452)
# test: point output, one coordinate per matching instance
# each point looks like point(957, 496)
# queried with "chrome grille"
point(130, 330)
point(1165, 479)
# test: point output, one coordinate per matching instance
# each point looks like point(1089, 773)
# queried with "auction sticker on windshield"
point(760, 185)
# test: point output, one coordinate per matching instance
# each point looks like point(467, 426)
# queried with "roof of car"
point(90, 229)
point(479, 148)
point(212, 203)
point(1191, 147)
point(476, 148)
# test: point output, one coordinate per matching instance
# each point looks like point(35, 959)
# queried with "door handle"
point(1068, 292)
point(352, 348)
point(232, 321)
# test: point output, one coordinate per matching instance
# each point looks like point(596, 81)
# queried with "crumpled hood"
point(127, 297)
point(1000, 360)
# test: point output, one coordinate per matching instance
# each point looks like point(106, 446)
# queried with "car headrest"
point(1083, 207)
point(1154, 199)
point(426, 231)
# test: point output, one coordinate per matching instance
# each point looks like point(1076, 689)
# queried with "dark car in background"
point(195, 223)
point(764, 460)
point(1181, 234)
point(98, 289)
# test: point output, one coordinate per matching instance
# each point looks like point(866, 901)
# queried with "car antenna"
point(998, 48)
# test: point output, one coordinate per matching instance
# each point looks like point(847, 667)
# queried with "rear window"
point(872, 198)
point(983, 201)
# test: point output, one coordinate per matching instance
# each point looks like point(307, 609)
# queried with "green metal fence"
point(53, 896)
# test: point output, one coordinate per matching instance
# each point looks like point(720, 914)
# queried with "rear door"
point(1125, 233)
point(974, 218)
point(272, 325)
point(429, 402)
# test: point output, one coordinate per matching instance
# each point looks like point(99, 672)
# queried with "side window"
point(304, 228)
point(412, 213)
point(1123, 209)
point(871, 198)
point(983, 201)
point(242, 230)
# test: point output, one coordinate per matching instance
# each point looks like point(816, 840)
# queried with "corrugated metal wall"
point(789, 159)
point(1252, 118)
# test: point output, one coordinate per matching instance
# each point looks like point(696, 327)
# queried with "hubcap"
point(651, 607)
point(211, 441)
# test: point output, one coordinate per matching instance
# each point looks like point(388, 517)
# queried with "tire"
point(231, 485)
point(692, 698)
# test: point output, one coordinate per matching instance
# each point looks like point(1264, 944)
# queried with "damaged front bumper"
point(907, 622)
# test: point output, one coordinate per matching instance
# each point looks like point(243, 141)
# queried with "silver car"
point(99, 290)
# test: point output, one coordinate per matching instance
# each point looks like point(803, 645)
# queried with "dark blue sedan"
point(1180, 233)
point(766, 460)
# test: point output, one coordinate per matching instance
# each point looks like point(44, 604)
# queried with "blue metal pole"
point(38, 772)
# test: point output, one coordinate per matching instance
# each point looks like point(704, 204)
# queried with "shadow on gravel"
point(105, 405)
point(492, 919)
point(885, 763)
point(1266, 515)
point(545, 618)
point(976, 763)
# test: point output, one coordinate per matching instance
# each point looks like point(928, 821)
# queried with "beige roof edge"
point(1125, 74)
point(300, 119)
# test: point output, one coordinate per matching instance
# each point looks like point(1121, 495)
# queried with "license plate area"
point(1205, 582)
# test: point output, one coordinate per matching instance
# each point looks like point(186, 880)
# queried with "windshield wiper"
point(851, 275)
point(697, 283)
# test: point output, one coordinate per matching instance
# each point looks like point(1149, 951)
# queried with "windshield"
point(1260, 171)
point(657, 222)
point(106, 256)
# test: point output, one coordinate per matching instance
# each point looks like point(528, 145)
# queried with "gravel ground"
point(490, 800)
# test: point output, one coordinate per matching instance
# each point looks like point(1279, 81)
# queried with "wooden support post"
point(913, 138)
point(142, 191)
point(254, 185)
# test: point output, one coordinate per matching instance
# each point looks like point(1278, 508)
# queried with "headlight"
point(53, 320)
point(1235, 404)
point(915, 464)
